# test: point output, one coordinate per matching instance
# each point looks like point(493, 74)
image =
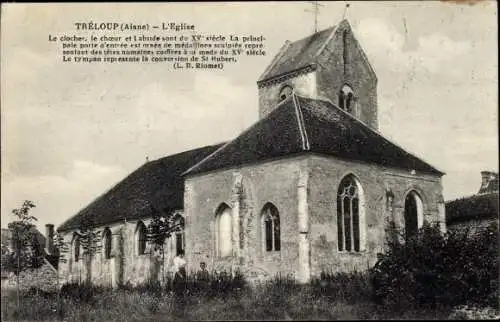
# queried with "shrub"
point(432, 268)
point(218, 283)
point(84, 292)
point(340, 286)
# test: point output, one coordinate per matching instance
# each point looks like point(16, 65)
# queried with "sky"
point(69, 132)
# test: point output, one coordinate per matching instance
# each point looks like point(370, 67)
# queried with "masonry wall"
point(274, 182)
point(308, 222)
point(303, 84)
point(331, 75)
point(124, 266)
point(326, 174)
point(473, 226)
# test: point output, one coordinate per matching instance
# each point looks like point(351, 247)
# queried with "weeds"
point(448, 269)
point(432, 269)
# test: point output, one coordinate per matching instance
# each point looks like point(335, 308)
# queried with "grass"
point(335, 296)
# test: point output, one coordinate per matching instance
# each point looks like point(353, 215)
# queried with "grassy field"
point(274, 301)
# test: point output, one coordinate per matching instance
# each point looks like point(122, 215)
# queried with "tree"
point(90, 243)
point(24, 251)
point(161, 227)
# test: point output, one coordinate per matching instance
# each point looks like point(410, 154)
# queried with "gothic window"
point(413, 214)
point(106, 241)
point(271, 228)
point(140, 237)
point(346, 99)
point(224, 231)
point(76, 248)
point(285, 92)
point(350, 217)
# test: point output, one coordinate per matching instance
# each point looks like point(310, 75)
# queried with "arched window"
point(76, 248)
point(350, 215)
point(140, 236)
point(106, 242)
point(414, 218)
point(224, 231)
point(285, 92)
point(271, 228)
point(346, 99)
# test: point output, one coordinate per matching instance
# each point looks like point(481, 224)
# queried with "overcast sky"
point(72, 131)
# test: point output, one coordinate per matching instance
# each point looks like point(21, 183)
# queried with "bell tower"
point(329, 64)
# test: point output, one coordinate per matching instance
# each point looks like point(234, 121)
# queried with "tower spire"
point(347, 5)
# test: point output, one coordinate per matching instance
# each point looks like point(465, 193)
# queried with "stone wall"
point(303, 189)
point(271, 182)
point(326, 174)
point(303, 84)
point(304, 251)
point(125, 265)
point(331, 75)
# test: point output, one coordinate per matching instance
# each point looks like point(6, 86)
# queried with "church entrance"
point(413, 214)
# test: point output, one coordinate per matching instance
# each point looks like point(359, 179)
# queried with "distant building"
point(45, 276)
point(477, 211)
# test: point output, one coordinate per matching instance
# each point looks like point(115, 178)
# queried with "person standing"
point(203, 277)
point(179, 284)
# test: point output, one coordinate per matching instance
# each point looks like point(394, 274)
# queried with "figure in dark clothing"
point(203, 277)
point(179, 283)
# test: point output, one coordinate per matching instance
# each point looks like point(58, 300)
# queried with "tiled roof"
point(297, 55)
point(156, 183)
point(300, 125)
point(481, 206)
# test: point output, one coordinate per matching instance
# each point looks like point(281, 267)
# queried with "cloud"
point(70, 193)
point(430, 54)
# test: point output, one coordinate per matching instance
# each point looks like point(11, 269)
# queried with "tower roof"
point(297, 55)
point(300, 125)
point(304, 53)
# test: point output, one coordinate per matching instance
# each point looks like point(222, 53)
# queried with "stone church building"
point(310, 187)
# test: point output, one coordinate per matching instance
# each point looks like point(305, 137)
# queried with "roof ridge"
point(314, 33)
point(377, 133)
point(184, 151)
point(300, 121)
point(206, 158)
point(276, 58)
point(230, 141)
point(472, 196)
point(327, 40)
point(276, 67)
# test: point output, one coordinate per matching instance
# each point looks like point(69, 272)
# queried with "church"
point(311, 186)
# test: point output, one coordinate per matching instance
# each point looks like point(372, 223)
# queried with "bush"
point(85, 292)
point(218, 283)
point(431, 269)
point(341, 286)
